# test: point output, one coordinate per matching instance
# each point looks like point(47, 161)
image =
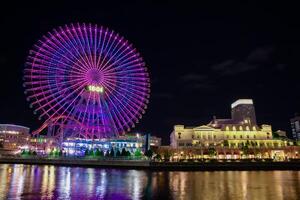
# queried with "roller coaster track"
point(53, 121)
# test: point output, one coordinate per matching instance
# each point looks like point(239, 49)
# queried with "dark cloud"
point(222, 66)
point(196, 81)
point(257, 58)
point(260, 55)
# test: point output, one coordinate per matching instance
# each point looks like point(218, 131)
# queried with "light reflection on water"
point(50, 182)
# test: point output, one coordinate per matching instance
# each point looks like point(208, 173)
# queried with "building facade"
point(295, 125)
point(240, 128)
point(231, 138)
point(131, 142)
point(234, 134)
point(242, 111)
point(13, 137)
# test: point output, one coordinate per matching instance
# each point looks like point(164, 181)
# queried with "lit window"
point(233, 128)
point(247, 128)
point(254, 128)
point(227, 128)
point(241, 128)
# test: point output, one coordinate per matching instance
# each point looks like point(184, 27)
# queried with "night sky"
point(201, 58)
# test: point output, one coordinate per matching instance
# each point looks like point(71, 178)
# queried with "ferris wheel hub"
point(95, 76)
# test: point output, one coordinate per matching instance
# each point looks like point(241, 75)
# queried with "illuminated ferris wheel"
point(90, 77)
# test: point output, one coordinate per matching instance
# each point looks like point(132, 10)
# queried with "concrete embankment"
point(145, 164)
point(226, 166)
point(79, 162)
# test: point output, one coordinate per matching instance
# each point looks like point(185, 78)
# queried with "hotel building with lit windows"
point(241, 127)
point(229, 136)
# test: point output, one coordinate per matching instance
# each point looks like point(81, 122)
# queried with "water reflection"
point(50, 182)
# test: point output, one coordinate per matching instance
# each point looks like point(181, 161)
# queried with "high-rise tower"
point(242, 111)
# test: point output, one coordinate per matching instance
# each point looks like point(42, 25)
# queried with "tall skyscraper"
point(295, 124)
point(243, 111)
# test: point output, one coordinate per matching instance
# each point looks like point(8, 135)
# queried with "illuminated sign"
point(94, 88)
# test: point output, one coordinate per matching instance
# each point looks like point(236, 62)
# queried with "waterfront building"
point(13, 137)
point(42, 144)
point(295, 124)
point(131, 142)
point(240, 128)
point(217, 133)
point(231, 138)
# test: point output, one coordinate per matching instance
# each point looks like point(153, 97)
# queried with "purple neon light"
point(64, 63)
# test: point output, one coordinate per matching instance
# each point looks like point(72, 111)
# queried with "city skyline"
point(200, 60)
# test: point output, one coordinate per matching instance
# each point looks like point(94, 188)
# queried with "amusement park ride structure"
point(86, 81)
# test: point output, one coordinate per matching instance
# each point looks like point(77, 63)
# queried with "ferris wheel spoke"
point(84, 114)
point(80, 39)
point(129, 100)
point(67, 49)
point(105, 53)
point(115, 119)
point(117, 112)
point(108, 47)
point(44, 91)
point(119, 57)
point(111, 51)
point(55, 84)
point(121, 113)
point(67, 106)
point(99, 42)
point(120, 63)
point(77, 45)
point(114, 53)
point(69, 37)
point(95, 46)
point(69, 113)
point(47, 97)
point(109, 115)
point(102, 47)
point(132, 71)
point(135, 109)
point(39, 70)
point(55, 51)
point(140, 97)
point(50, 64)
point(60, 101)
point(93, 114)
point(88, 44)
point(144, 91)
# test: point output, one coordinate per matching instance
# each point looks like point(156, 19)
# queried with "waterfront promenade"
point(160, 165)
